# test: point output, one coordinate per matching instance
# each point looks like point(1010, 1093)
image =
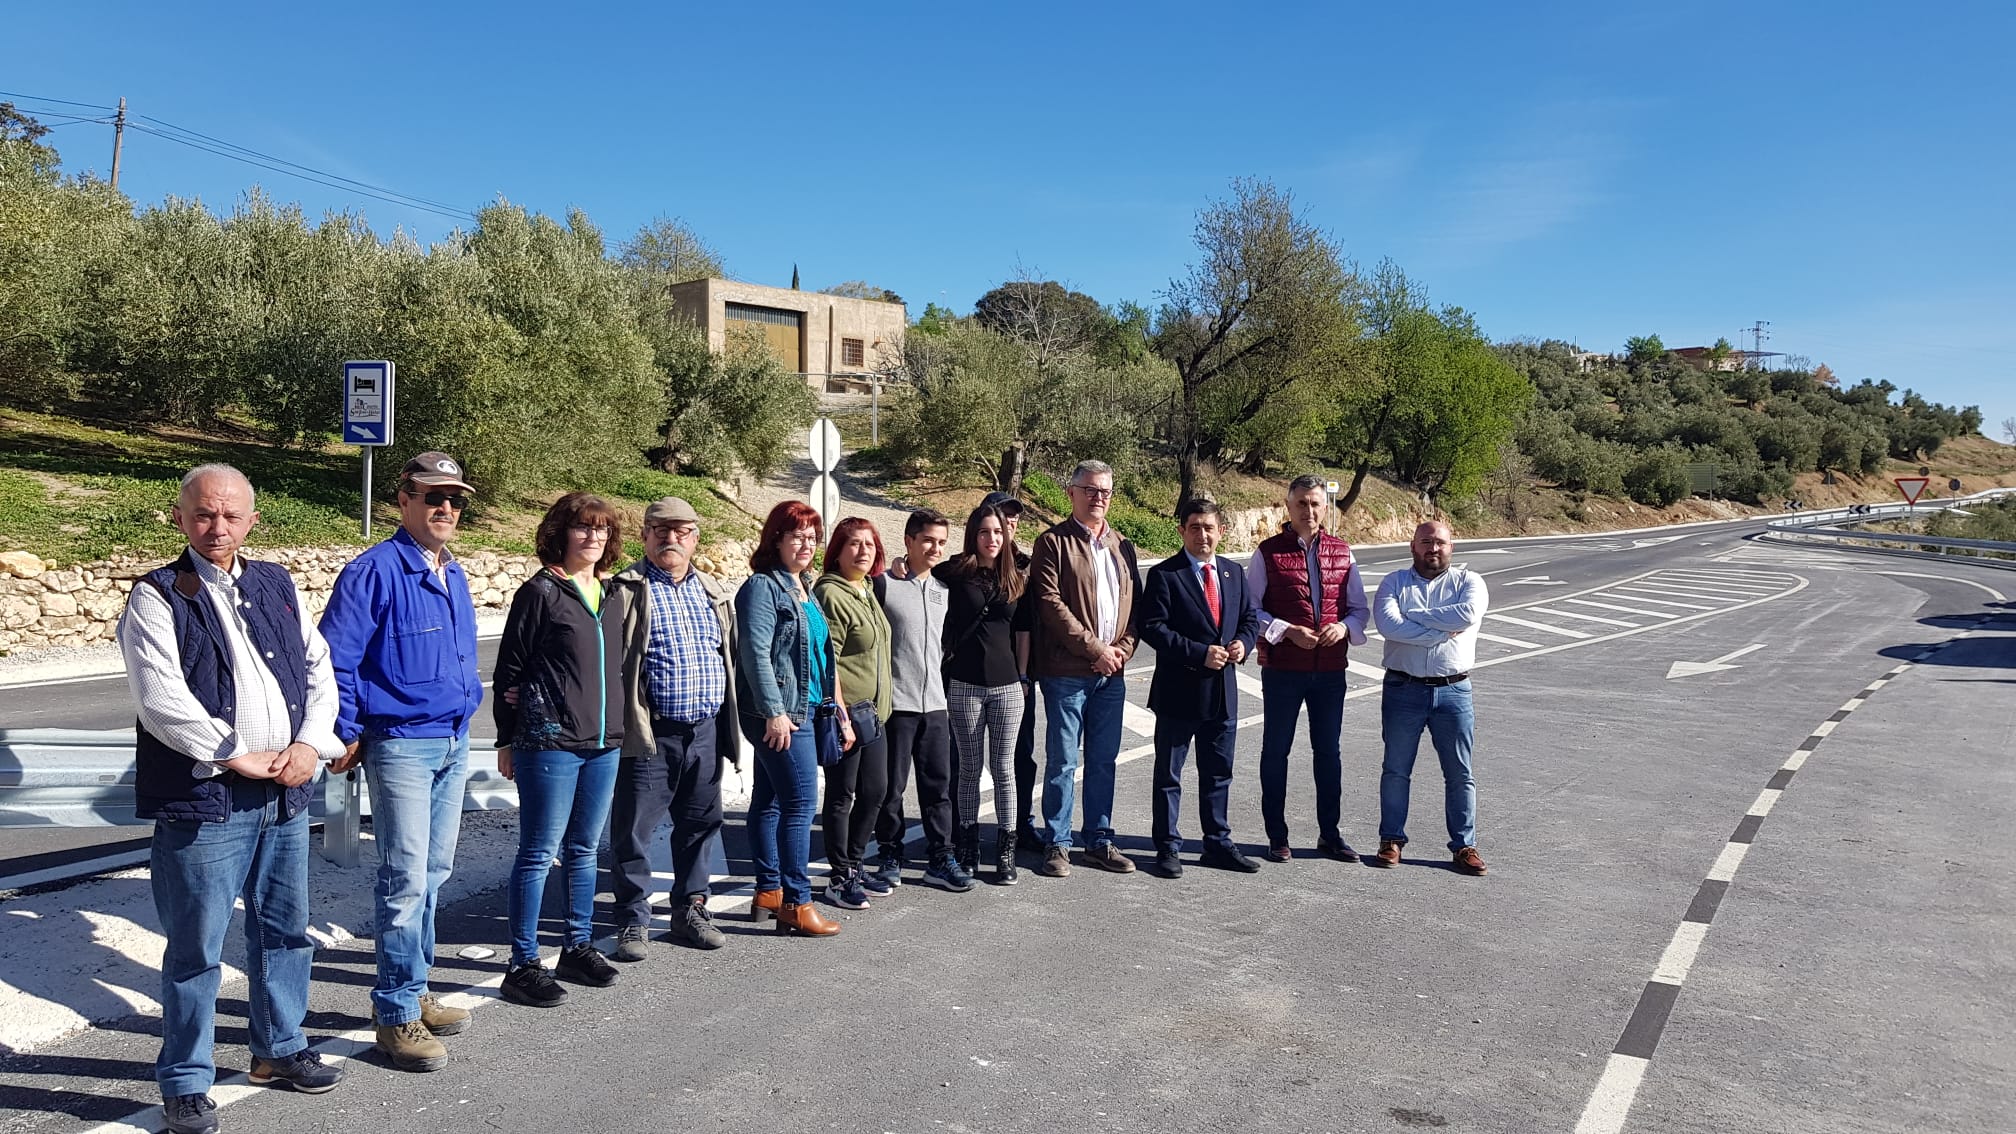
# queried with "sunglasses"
point(436, 499)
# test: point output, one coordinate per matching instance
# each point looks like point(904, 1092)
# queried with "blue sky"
point(1586, 172)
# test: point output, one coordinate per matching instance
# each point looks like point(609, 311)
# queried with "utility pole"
point(118, 139)
point(1757, 336)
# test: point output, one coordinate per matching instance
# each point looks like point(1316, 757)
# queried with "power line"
point(420, 201)
point(452, 214)
point(64, 101)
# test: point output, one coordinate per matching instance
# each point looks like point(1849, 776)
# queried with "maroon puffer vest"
point(1287, 598)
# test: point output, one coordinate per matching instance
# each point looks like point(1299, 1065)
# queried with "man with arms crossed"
point(402, 635)
point(1429, 615)
point(1082, 581)
point(236, 705)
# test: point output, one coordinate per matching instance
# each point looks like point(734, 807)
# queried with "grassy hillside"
point(74, 491)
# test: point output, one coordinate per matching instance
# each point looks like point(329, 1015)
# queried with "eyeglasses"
point(591, 531)
point(436, 499)
point(1093, 493)
point(806, 536)
point(671, 531)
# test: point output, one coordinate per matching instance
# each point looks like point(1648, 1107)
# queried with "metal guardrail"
point(59, 777)
point(1838, 528)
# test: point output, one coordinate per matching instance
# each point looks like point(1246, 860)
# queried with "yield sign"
point(1912, 487)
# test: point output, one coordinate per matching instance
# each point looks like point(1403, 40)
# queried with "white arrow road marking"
point(1537, 581)
point(1690, 669)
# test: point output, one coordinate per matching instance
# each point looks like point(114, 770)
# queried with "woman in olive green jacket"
point(857, 785)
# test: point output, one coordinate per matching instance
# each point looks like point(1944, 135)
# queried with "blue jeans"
point(199, 869)
point(416, 814)
point(1283, 693)
point(1075, 708)
point(781, 803)
point(1405, 708)
point(563, 804)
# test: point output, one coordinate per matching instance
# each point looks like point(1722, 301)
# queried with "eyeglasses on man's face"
point(672, 531)
point(454, 500)
point(1092, 493)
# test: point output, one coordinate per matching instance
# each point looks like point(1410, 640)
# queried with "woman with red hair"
point(785, 671)
point(857, 785)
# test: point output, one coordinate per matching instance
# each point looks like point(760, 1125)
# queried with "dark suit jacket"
point(1175, 621)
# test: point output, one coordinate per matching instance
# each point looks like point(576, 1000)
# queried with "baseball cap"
point(670, 510)
point(435, 470)
point(1006, 503)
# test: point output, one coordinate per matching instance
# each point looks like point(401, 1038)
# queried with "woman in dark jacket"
point(785, 669)
point(983, 681)
point(559, 712)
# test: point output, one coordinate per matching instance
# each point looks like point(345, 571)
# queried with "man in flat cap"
point(679, 729)
point(401, 630)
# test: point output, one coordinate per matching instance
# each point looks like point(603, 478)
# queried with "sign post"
point(367, 415)
point(823, 446)
point(1329, 502)
point(1912, 487)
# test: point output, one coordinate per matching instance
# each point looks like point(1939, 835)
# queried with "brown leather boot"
point(765, 905)
point(805, 920)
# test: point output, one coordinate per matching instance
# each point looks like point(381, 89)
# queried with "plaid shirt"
point(684, 677)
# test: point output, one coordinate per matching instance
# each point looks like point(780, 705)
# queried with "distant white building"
point(834, 341)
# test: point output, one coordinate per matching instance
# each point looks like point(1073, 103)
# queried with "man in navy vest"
point(402, 637)
point(1197, 614)
point(1312, 609)
point(236, 704)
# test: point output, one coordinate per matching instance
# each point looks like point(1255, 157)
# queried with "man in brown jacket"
point(1082, 580)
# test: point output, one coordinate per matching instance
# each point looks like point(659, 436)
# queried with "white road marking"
point(1686, 590)
point(1541, 626)
point(1795, 761)
point(1766, 800)
point(1680, 953)
point(1508, 641)
point(1722, 586)
point(1615, 1092)
point(1631, 594)
point(1553, 613)
point(1138, 720)
point(1727, 862)
point(1824, 728)
point(1363, 669)
point(1620, 609)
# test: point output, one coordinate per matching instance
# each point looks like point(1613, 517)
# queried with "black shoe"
point(694, 925)
point(190, 1114)
point(304, 1071)
point(532, 986)
point(585, 964)
point(1005, 873)
point(1337, 849)
point(1227, 858)
point(946, 874)
point(1027, 838)
point(844, 890)
point(969, 850)
point(1279, 852)
point(1168, 865)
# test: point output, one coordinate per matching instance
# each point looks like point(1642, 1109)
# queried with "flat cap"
point(670, 510)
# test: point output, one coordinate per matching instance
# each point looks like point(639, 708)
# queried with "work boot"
point(412, 1047)
point(694, 925)
point(441, 1019)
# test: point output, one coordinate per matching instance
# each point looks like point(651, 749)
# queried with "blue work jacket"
point(403, 644)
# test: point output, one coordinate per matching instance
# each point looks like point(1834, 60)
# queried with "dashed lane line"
point(1541, 626)
point(1624, 1072)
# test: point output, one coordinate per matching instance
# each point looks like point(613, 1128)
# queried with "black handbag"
point(826, 733)
point(867, 726)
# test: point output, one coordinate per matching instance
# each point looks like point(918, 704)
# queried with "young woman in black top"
point(983, 680)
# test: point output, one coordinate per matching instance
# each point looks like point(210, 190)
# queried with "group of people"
point(621, 692)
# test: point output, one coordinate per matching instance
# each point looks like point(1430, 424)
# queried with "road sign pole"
point(367, 492)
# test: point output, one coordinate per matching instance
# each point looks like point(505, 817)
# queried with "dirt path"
point(856, 499)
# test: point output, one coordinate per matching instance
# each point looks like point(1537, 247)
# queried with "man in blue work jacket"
point(402, 637)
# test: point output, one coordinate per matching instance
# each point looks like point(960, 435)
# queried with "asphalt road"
point(1850, 973)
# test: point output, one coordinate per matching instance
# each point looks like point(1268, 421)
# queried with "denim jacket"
point(773, 651)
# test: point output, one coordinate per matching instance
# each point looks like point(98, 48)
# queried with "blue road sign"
point(367, 402)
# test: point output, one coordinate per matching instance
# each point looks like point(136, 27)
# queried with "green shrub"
point(1658, 478)
point(1150, 532)
point(1045, 494)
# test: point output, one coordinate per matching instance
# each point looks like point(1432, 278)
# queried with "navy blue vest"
point(165, 784)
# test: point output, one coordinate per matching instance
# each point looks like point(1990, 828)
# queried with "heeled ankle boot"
point(1004, 857)
point(764, 906)
point(969, 849)
point(804, 920)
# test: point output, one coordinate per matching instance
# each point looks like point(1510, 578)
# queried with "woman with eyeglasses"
point(983, 681)
point(858, 784)
point(786, 669)
point(559, 712)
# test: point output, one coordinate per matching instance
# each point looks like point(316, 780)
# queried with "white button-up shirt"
point(1430, 625)
point(1106, 566)
point(262, 721)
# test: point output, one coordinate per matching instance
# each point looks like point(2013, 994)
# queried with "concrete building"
point(834, 341)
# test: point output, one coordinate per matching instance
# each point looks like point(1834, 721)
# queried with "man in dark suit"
point(1198, 615)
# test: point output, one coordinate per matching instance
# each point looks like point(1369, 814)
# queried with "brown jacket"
point(1062, 583)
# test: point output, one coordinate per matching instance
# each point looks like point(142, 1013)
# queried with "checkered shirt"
point(684, 677)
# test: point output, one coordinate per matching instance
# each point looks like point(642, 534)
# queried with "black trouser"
point(1026, 772)
point(922, 741)
point(682, 780)
point(1215, 741)
point(855, 790)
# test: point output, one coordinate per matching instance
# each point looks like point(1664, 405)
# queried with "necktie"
point(1211, 596)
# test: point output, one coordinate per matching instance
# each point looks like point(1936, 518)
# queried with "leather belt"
point(1400, 678)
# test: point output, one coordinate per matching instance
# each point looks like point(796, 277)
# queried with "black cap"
point(1008, 505)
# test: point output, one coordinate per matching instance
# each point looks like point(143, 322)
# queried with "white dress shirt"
point(1106, 566)
point(1430, 625)
point(173, 715)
